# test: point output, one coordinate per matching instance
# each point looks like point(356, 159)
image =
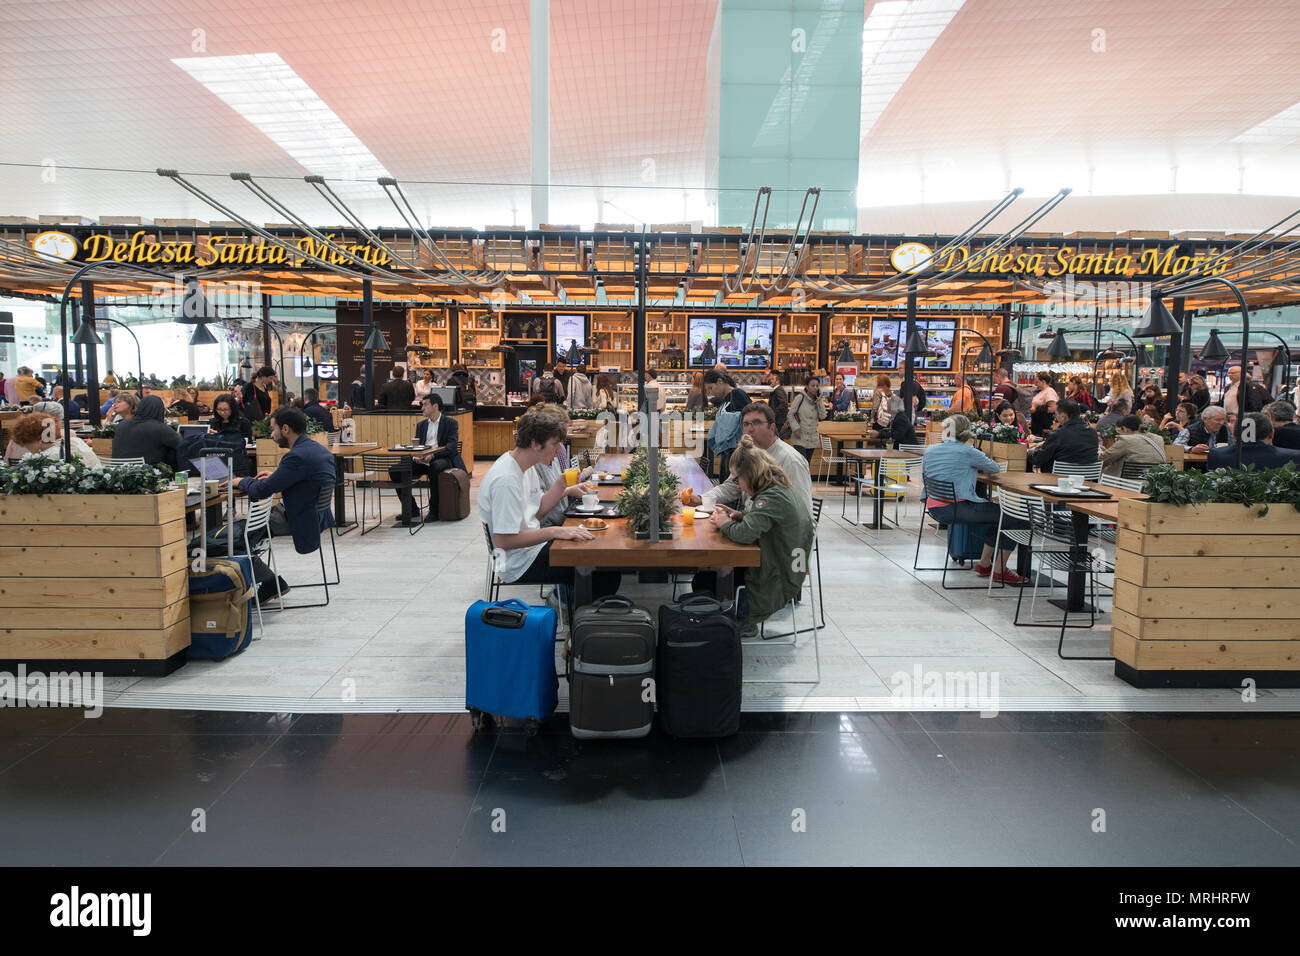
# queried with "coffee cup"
point(590, 500)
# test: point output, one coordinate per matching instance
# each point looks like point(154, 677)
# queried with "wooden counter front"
point(387, 429)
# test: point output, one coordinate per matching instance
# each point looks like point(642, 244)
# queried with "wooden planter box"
point(1012, 454)
point(855, 433)
point(933, 432)
point(94, 582)
point(1207, 596)
point(102, 447)
point(269, 453)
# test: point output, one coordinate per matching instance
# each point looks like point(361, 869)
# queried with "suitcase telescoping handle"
point(613, 602)
point(700, 601)
point(509, 614)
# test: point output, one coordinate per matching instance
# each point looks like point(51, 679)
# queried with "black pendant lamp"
point(86, 334)
point(375, 341)
point(202, 335)
point(846, 354)
point(1157, 321)
point(193, 307)
point(1059, 349)
point(1214, 350)
point(916, 344)
point(985, 356)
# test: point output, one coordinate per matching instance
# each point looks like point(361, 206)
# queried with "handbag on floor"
point(510, 661)
point(698, 668)
point(611, 665)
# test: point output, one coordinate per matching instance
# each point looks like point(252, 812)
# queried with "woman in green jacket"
point(777, 521)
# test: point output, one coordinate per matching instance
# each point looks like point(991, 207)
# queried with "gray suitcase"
point(611, 670)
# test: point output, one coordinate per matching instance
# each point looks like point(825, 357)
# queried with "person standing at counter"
point(423, 386)
point(312, 408)
point(359, 390)
point(466, 390)
point(549, 386)
point(582, 396)
point(779, 401)
point(841, 396)
point(606, 400)
point(397, 392)
point(257, 393)
point(696, 401)
point(1042, 408)
point(652, 379)
point(963, 398)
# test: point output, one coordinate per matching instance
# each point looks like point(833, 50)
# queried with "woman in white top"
point(423, 386)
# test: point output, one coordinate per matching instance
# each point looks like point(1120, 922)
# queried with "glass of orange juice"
point(571, 476)
point(688, 515)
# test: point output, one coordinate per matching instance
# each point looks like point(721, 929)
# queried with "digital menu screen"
point(570, 333)
point(758, 342)
point(885, 344)
point(939, 336)
point(731, 342)
point(702, 343)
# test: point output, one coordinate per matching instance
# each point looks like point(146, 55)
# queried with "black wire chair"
point(382, 472)
point(939, 490)
point(324, 504)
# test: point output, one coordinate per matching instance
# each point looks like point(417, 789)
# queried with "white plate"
point(589, 510)
point(703, 515)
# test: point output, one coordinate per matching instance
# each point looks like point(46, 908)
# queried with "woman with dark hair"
point(1177, 423)
point(696, 400)
point(605, 398)
point(1151, 396)
point(228, 420)
point(841, 397)
point(1042, 408)
point(145, 435)
point(1006, 414)
point(424, 385)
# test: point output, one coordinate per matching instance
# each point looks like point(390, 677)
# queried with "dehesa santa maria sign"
point(1064, 260)
point(230, 251)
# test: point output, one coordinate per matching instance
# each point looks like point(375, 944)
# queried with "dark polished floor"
point(863, 789)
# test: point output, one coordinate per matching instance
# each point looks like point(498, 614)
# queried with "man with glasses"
point(759, 422)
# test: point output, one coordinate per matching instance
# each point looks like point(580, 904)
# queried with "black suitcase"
point(698, 668)
point(611, 670)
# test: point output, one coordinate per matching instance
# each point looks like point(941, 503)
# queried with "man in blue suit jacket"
point(1259, 453)
point(443, 432)
point(303, 472)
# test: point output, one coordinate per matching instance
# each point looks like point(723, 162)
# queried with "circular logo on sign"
point(55, 246)
point(910, 257)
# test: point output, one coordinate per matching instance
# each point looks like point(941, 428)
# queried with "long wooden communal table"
point(1107, 510)
point(694, 545)
point(874, 456)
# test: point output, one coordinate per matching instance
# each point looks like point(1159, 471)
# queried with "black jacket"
point(1197, 435)
point(780, 403)
point(306, 468)
point(257, 404)
point(901, 431)
point(358, 394)
point(236, 426)
point(397, 393)
point(319, 412)
point(146, 435)
point(448, 438)
point(1287, 436)
point(1074, 443)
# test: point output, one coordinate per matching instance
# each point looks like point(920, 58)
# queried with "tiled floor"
point(812, 788)
point(391, 639)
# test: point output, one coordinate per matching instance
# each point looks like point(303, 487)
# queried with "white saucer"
point(589, 510)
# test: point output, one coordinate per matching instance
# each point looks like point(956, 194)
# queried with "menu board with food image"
point(758, 342)
point(939, 341)
point(731, 342)
point(703, 348)
point(885, 344)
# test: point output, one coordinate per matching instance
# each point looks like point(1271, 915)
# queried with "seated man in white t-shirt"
point(512, 504)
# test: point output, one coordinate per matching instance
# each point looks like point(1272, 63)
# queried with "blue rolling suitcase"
point(966, 541)
point(510, 661)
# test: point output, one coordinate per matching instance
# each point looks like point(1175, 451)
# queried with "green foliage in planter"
point(1107, 433)
point(1092, 417)
point(314, 427)
point(634, 501)
point(104, 431)
point(708, 414)
point(1151, 428)
point(585, 414)
point(1244, 486)
point(849, 417)
point(262, 428)
point(941, 415)
point(1007, 434)
point(38, 475)
point(638, 466)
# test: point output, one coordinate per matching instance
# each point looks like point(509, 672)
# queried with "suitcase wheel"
point(478, 718)
point(531, 726)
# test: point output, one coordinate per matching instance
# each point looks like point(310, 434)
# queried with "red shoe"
point(983, 570)
point(1008, 577)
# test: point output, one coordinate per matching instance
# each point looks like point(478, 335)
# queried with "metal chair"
point(793, 605)
point(1057, 554)
point(1090, 472)
point(377, 472)
point(256, 541)
point(819, 606)
point(324, 504)
point(1103, 530)
point(114, 462)
point(1016, 506)
point(492, 591)
point(829, 457)
point(939, 490)
point(1135, 469)
point(920, 449)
